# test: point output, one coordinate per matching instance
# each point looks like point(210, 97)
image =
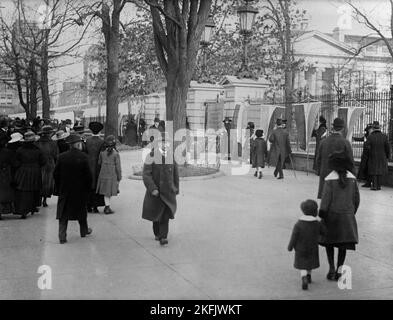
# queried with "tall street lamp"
point(228, 124)
point(205, 42)
point(247, 15)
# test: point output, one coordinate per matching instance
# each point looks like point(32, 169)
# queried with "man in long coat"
point(161, 179)
point(73, 181)
point(378, 150)
point(94, 145)
point(334, 142)
point(280, 148)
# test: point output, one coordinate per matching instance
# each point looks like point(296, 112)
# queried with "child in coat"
point(259, 153)
point(304, 239)
point(110, 172)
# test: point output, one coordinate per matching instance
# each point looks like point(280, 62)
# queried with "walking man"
point(161, 179)
point(280, 148)
point(73, 181)
point(334, 142)
point(378, 150)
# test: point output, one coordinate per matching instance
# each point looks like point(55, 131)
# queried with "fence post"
point(391, 116)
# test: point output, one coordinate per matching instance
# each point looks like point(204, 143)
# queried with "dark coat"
point(73, 182)
point(335, 142)
point(51, 152)
point(338, 208)
point(29, 160)
point(304, 239)
point(363, 166)
point(281, 146)
point(164, 178)
point(378, 150)
point(7, 161)
point(63, 146)
point(94, 146)
point(319, 135)
point(259, 152)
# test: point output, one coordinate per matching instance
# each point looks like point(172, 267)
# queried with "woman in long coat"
point(51, 152)
point(161, 179)
point(30, 160)
point(319, 134)
point(7, 160)
point(110, 172)
point(339, 204)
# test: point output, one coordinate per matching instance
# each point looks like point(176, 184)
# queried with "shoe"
point(374, 189)
point(331, 276)
point(256, 174)
point(280, 177)
point(36, 210)
point(337, 276)
point(95, 210)
point(275, 173)
point(23, 217)
point(157, 238)
point(163, 241)
point(309, 278)
point(378, 188)
point(89, 231)
point(260, 175)
point(32, 213)
point(304, 283)
point(63, 241)
point(45, 205)
point(366, 185)
point(108, 210)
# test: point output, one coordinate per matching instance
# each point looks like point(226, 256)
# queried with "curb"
point(196, 178)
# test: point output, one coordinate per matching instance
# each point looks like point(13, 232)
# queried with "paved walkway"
point(228, 241)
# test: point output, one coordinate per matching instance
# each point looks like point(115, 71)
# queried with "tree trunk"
point(112, 91)
point(44, 78)
point(33, 89)
point(176, 100)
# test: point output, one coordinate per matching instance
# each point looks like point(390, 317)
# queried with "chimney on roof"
point(338, 34)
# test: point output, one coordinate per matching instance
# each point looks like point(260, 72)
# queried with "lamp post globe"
point(205, 42)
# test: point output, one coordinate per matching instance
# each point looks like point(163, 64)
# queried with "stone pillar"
point(319, 81)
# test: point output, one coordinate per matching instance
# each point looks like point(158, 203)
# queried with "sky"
point(324, 16)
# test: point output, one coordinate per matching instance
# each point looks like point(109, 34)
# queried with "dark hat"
point(376, 125)
point(79, 128)
point(68, 121)
point(46, 130)
point(156, 119)
point(368, 127)
point(338, 124)
point(284, 121)
point(259, 133)
point(250, 125)
point(96, 127)
point(322, 119)
point(340, 161)
point(309, 208)
point(4, 121)
point(73, 138)
point(279, 122)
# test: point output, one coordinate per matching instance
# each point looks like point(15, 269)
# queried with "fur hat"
point(338, 124)
point(96, 127)
point(309, 208)
point(339, 161)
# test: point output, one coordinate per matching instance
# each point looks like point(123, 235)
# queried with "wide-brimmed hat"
point(16, 137)
point(338, 124)
point(73, 138)
point(30, 136)
point(96, 127)
point(376, 125)
point(60, 135)
point(309, 208)
point(339, 161)
point(79, 128)
point(46, 130)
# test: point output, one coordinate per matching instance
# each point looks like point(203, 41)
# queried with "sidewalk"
point(228, 241)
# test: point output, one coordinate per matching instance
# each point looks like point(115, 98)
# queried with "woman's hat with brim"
point(73, 138)
point(16, 137)
point(339, 161)
point(30, 136)
point(96, 127)
point(376, 125)
point(79, 129)
point(60, 135)
point(46, 130)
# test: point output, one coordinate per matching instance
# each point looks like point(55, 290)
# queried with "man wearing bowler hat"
point(73, 181)
point(280, 148)
point(333, 143)
point(94, 145)
point(378, 150)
